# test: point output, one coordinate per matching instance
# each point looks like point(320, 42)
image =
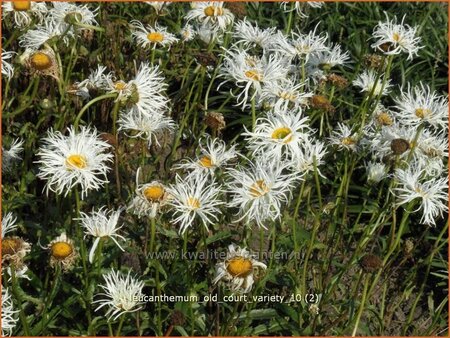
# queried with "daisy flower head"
point(188, 32)
point(152, 36)
point(431, 152)
point(62, 252)
point(419, 105)
point(101, 224)
point(285, 94)
point(250, 73)
point(344, 138)
point(14, 250)
point(24, 11)
point(9, 318)
point(279, 135)
point(393, 38)
point(301, 6)
point(148, 127)
point(251, 36)
point(376, 172)
point(12, 155)
point(7, 67)
point(149, 198)
point(430, 192)
point(76, 159)
point(69, 13)
point(211, 14)
point(300, 45)
point(34, 38)
point(8, 223)
point(42, 63)
point(393, 140)
point(329, 58)
point(121, 294)
point(310, 157)
point(196, 196)
point(159, 6)
point(369, 83)
point(239, 270)
point(207, 33)
point(260, 190)
point(383, 117)
point(215, 155)
point(147, 91)
point(97, 79)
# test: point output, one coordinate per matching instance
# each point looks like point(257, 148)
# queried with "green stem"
point(90, 103)
point(119, 329)
point(361, 306)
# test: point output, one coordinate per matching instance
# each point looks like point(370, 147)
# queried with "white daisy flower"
point(300, 6)
point(300, 45)
point(9, 318)
point(212, 14)
point(147, 91)
point(34, 38)
point(281, 134)
point(188, 33)
point(149, 198)
point(79, 158)
point(121, 294)
point(7, 67)
point(80, 16)
point(19, 272)
point(392, 38)
point(206, 33)
point(285, 94)
point(260, 190)
point(63, 252)
point(12, 154)
point(8, 223)
point(329, 58)
point(152, 36)
point(420, 104)
point(239, 270)
point(148, 127)
point(251, 73)
point(195, 196)
point(344, 138)
point(311, 154)
point(431, 152)
point(368, 82)
point(24, 11)
point(376, 172)
point(101, 224)
point(214, 155)
point(97, 79)
point(251, 36)
point(159, 6)
point(431, 192)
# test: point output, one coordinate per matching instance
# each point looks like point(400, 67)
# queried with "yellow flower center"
point(259, 189)
point(384, 119)
point(213, 11)
point(347, 141)
point(193, 203)
point(155, 37)
point(10, 246)
point(253, 75)
point(422, 113)
point(61, 250)
point(205, 161)
point(239, 267)
point(396, 37)
point(76, 162)
point(21, 5)
point(41, 61)
point(282, 133)
point(287, 96)
point(120, 85)
point(154, 193)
